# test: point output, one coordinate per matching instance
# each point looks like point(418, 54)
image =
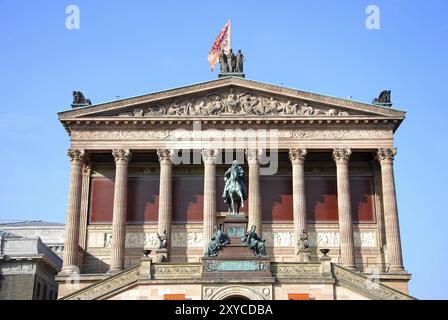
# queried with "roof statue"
point(383, 99)
point(79, 100)
point(231, 64)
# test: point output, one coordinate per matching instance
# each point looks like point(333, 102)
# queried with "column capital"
point(164, 155)
point(341, 154)
point(121, 156)
point(297, 155)
point(209, 155)
point(76, 155)
point(386, 154)
point(253, 155)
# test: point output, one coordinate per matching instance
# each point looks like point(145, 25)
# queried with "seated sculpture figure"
point(218, 240)
point(254, 242)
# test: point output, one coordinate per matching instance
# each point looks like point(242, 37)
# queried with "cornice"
point(274, 123)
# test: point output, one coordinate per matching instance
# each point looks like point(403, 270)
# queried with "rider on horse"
point(235, 189)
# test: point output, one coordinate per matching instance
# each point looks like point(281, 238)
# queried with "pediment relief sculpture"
point(233, 103)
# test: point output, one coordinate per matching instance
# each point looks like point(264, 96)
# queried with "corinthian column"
point(209, 158)
point(165, 205)
point(118, 242)
point(253, 157)
point(341, 157)
point(297, 157)
point(394, 255)
point(70, 263)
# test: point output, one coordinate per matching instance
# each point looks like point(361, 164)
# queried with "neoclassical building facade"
point(153, 164)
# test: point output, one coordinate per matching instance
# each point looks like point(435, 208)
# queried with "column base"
point(349, 267)
point(113, 271)
point(396, 269)
point(69, 270)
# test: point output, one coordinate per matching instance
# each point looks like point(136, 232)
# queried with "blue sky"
point(128, 48)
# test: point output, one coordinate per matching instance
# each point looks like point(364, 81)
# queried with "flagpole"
point(230, 38)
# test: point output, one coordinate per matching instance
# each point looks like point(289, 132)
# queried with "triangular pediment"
point(231, 97)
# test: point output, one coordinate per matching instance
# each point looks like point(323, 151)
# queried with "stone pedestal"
point(235, 227)
point(325, 265)
point(161, 255)
point(145, 268)
point(231, 74)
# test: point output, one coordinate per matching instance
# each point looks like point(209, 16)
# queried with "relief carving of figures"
point(151, 240)
point(233, 103)
point(288, 108)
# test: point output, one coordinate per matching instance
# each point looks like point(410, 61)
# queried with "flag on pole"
point(222, 42)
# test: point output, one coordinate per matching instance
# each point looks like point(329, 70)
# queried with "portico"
point(132, 147)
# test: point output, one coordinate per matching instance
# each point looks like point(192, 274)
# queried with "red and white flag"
point(222, 42)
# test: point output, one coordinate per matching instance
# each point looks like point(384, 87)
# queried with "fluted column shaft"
point(70, 263)
point(393, 241)
point(165, 204)
point(86, 171)
point(118, 241)
point(341, 157)
point(253, 156)
point(297, 157)
point(209, 158)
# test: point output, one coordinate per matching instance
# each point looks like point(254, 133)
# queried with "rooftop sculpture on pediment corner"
point(232, 103)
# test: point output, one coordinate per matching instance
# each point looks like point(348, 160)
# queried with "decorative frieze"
point(191, 239)
point(294, 269)
point(374, 290)
point(107, 286)
point(176, 271)
point(337, 134)
point(279, 239)
point(166, 135)
point(194, 239)
point(133, 240)
point(124, 135)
